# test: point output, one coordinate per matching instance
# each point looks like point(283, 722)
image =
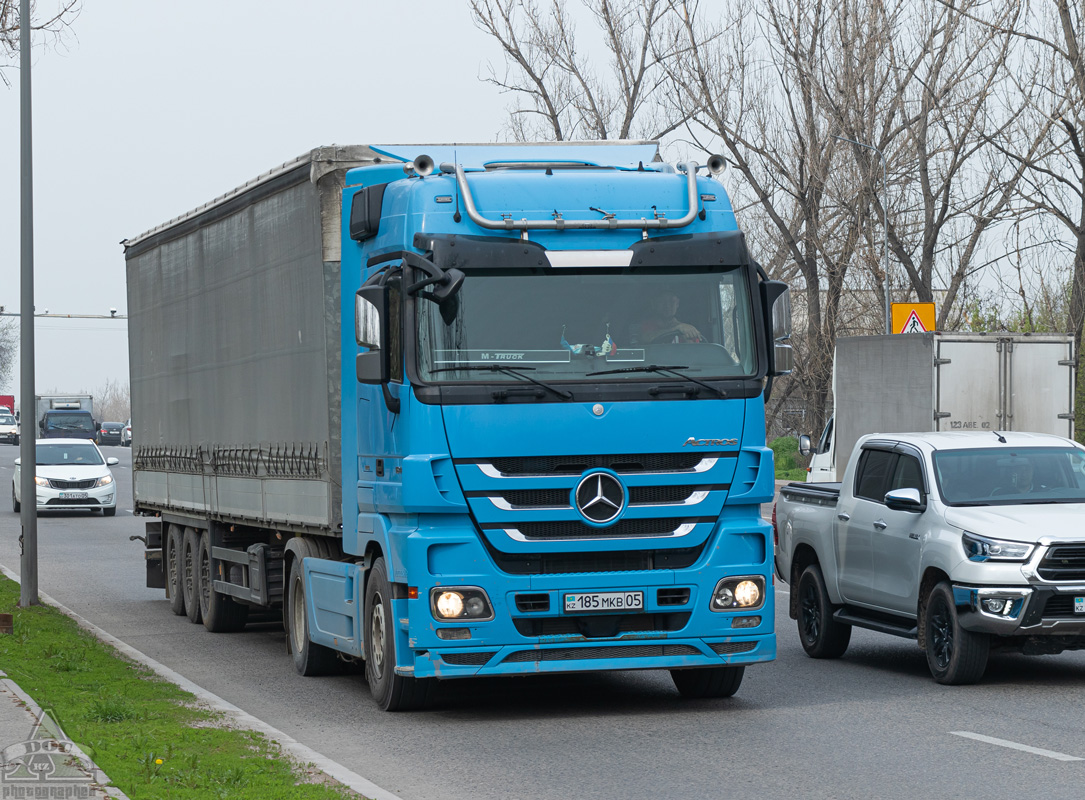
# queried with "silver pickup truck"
point(966, 542)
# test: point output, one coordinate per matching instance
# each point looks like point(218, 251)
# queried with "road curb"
point(242, 719)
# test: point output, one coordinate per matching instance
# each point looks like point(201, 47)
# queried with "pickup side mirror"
point(905, 500)
point(371, 331)
point(776, 301)
point(805, 446)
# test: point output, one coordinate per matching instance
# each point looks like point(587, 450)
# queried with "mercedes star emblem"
point(600, 497)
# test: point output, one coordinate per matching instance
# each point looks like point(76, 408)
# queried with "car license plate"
point(73, 495)
point(1079, 605)
point(604, 601)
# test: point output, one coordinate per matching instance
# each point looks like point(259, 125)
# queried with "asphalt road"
point(872, 724)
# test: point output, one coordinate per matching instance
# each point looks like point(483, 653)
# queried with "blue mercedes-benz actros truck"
point(463, 411)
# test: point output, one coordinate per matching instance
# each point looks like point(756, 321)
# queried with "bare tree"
point(55, 24)
point(561, 95)
point(9, 348)
point(112, 402)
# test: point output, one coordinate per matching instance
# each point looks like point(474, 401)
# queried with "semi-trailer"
point(500, 416)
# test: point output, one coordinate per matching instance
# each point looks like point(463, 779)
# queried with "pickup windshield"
point(1004, 476)
point(566, 323)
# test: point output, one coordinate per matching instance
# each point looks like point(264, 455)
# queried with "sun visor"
point(618, 154)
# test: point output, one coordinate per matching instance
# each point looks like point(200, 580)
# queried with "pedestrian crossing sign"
point(913, 317)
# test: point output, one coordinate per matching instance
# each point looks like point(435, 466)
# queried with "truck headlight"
point(460, 602)
point(981, 548)
point(739, 593)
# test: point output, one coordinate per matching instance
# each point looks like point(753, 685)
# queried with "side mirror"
point(112, 462)
point(805, 446)
point(18, 461)
point(905, 500)
point(776, 302)
point(371, 331)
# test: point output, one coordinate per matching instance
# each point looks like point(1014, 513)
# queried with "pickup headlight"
point(980, 548)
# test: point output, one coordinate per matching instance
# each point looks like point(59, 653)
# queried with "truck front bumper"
point(1022, 610)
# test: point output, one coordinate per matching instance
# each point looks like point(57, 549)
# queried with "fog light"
point(747, 594)
point(450, 605)
point(995, 605)
point(475, 607)
point(453, 633)
point(724, 598)
point(745, 622)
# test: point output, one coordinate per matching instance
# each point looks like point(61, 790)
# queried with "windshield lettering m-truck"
point(500, 416)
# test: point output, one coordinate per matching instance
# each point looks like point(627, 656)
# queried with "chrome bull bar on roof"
point(608, 222)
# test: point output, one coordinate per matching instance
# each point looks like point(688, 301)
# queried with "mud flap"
point(334, 604)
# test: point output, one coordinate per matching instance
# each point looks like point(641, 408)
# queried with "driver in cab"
point(662, 325)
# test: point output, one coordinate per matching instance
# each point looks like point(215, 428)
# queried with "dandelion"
point(158, 761)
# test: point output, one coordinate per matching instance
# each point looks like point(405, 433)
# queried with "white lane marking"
point(242, 719)
point(1039, 751)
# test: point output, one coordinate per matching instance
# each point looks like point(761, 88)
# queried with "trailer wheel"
point(708, 681)
point(310, 658)
point(821, 635)
point(955, 656)
point(172, 558)
point(190, 574)
point(220, 612)
point(391, 691)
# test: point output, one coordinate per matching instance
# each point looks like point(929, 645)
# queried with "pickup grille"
point(1063, 563)
point(1060, 605)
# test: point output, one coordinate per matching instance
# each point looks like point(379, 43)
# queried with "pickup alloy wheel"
point(820, 634)
point(955, 656)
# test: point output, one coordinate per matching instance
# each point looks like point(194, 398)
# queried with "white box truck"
point(943, 382)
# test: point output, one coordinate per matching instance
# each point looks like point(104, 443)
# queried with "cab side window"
point(907, 474)
point(872, 478)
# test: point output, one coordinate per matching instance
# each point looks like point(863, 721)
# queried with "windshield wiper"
point(507, 371)
point(662, 370)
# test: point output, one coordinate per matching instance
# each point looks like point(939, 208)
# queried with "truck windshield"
point(69, 422)
point(1004, 476)
point(565, 323)
point(53, 455)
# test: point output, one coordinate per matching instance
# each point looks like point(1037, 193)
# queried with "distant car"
point(126, 434)
point(9, 429)
point(71, 474)
point(110, 433)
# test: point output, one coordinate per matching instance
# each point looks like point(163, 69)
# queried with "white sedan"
point(71, 474)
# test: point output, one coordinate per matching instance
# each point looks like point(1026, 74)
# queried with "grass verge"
point(147, 734)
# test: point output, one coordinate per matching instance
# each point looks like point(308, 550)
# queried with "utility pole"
point(28, 566)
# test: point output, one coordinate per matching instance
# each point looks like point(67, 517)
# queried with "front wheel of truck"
point(955, 656)
point(310, 658)
point(391, 691)
point(820, 634)
point(708, 681)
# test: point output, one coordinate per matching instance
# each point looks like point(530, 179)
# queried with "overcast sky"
point(154, 108)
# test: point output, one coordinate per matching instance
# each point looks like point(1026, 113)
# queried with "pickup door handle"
point(843, 517)
point(881, 524)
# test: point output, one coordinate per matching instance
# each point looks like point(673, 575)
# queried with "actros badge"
point(694, 442)
point(600, 497)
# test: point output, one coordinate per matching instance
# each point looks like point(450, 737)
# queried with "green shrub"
point(786, 455)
